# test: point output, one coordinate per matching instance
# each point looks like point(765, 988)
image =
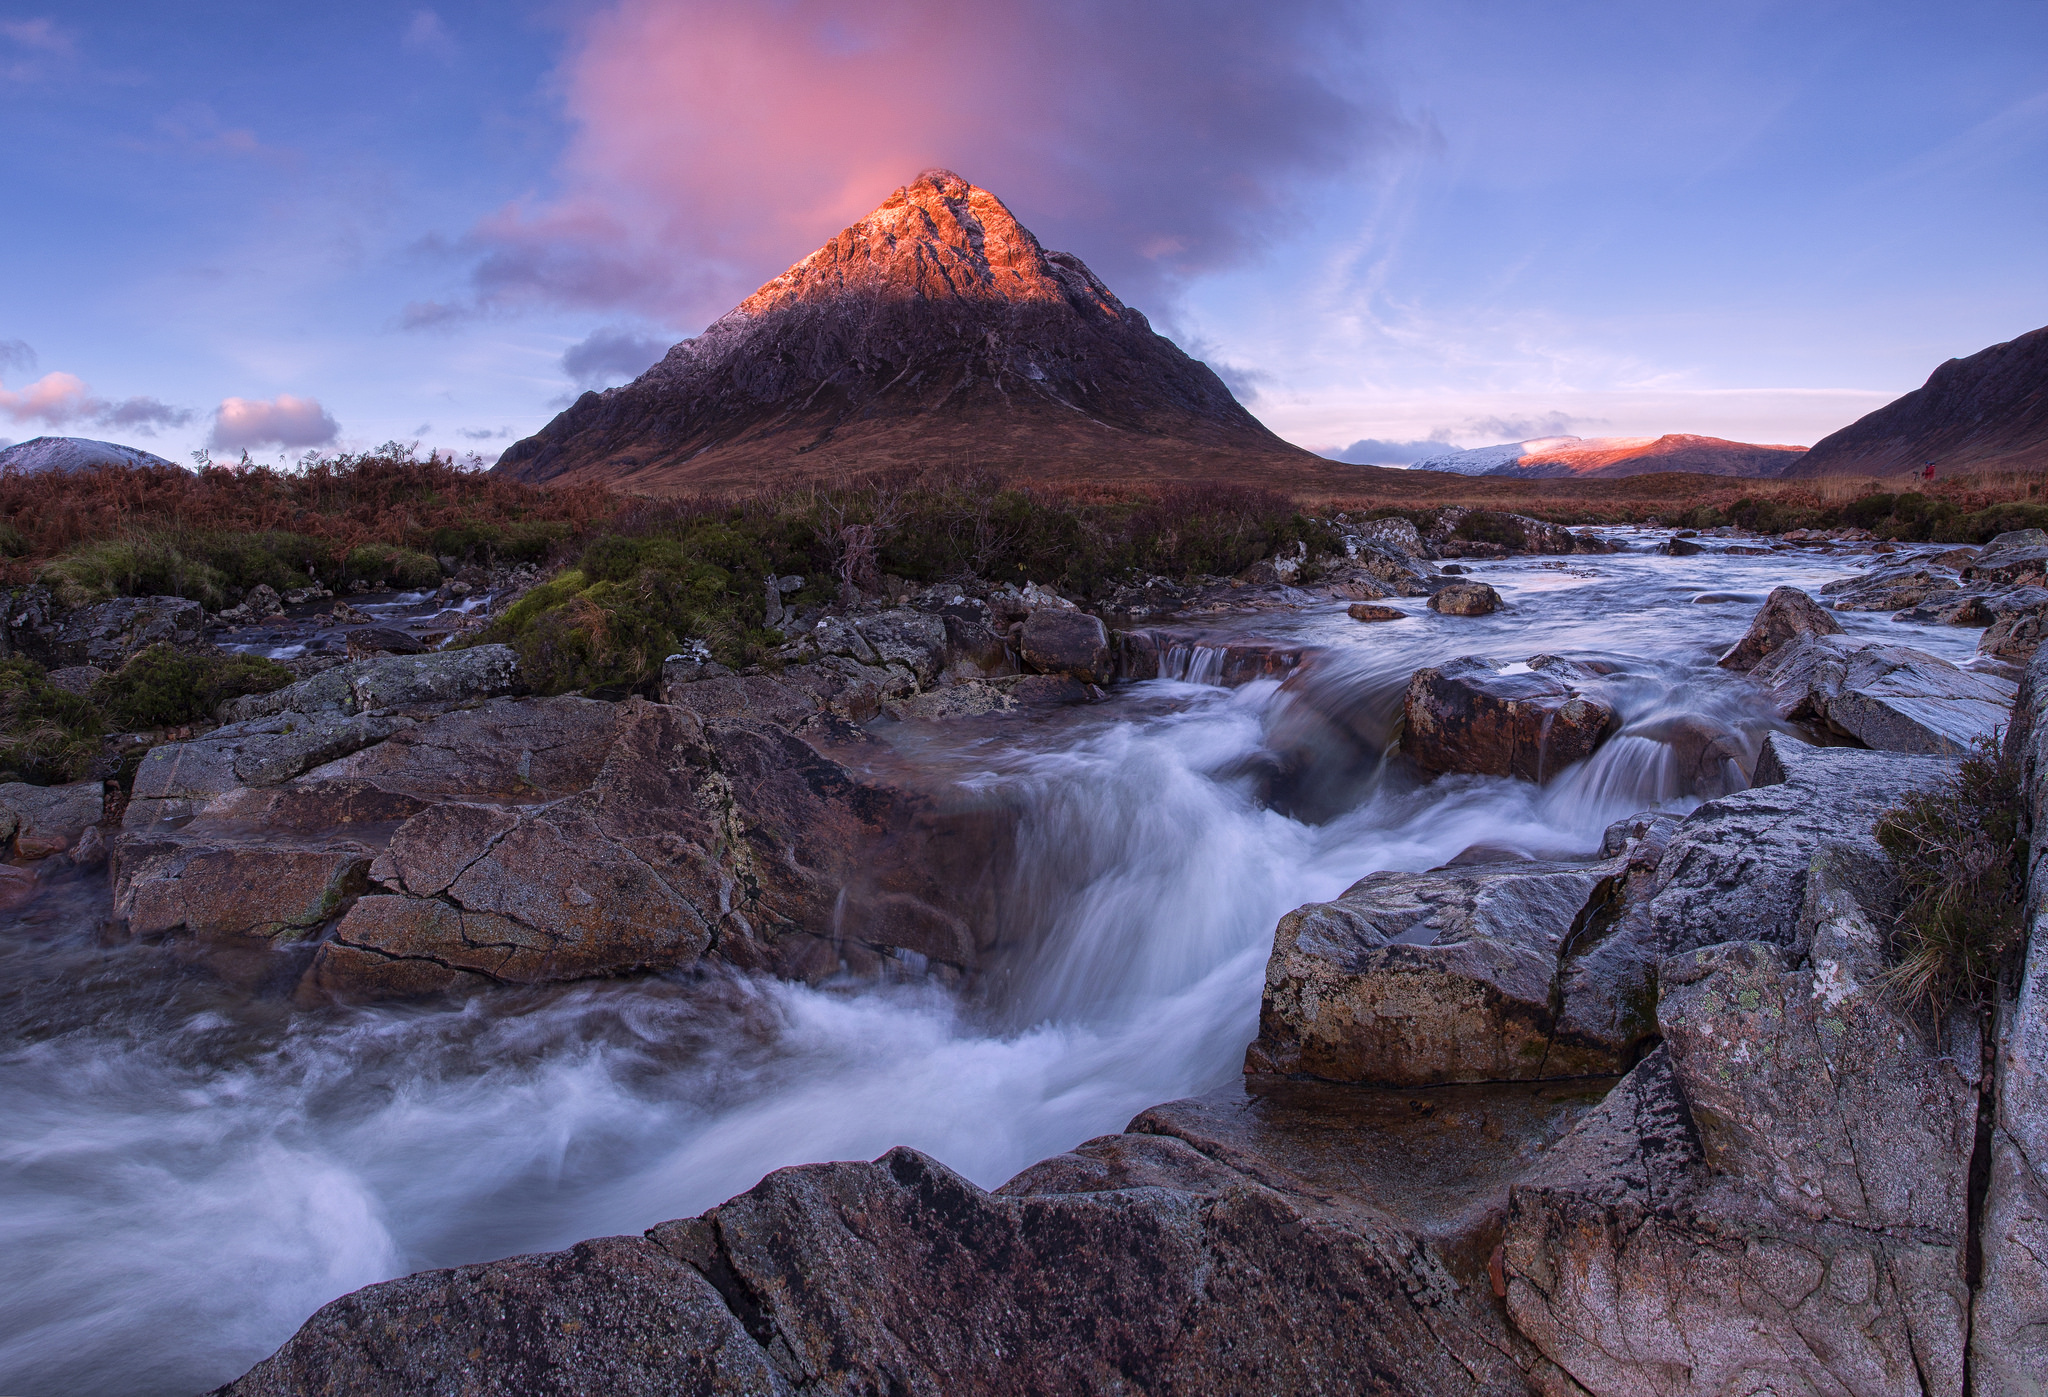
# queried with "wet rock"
point(2015, 559)
point(976, 698)
point(1680, 547)
point(1777, 1196)
point(1364, 611)
point(1787, 615)
point(1889, 697)
point(2009, 1340)
point(2014, 636)
point(1401, 573)
point(1465, 599)
point(1394, 535)
point(368, 641)
point(1160, 1260)
point(1737, 869)
point(394, 682)
point(46, 820)
point(1067, 642)
point(1891, 588)
point(1467, 716)
point(106, 634)
point(1416, 979)
point(262, 603)
point(526, 841)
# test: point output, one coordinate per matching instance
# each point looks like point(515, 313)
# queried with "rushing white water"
point(185, 1173)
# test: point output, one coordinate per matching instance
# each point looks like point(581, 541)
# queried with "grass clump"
point(1962, 861)
point(387, 565)
point(163, 686)
point(47, 735)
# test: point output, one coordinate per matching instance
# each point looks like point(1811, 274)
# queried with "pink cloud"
point(719, 140)
point(54, 399)
point(284, 421)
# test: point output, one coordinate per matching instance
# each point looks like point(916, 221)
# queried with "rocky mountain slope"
point(1989, 411)
point(1551, 458)
point(936, 329)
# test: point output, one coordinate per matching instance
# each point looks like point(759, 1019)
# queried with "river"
point(186, 1172)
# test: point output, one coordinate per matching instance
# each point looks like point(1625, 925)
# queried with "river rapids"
point(187, 1172)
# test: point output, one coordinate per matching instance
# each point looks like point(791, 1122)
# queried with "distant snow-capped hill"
point(1558, 457)
point(72, 454)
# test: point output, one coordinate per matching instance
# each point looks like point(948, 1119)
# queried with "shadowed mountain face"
point(934, 331)
point(1988, 411)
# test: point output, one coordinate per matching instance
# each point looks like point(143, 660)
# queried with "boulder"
point(521, 841)
point(2018, 558)
point(1737, 869)
point(1394, 535)
point(1891, 587)
point(1365, 611)
point(1787, 615)
point(1219, 1246)
point(107, 634)
point(1775, 1200)
point(1680, 547)
point(1468, 716)
point(1465, 599)
point(1889, 697)
point(45, 820)
point(1067, 642)
point(1418, 979)
point(2014, 636)
point(393, 682)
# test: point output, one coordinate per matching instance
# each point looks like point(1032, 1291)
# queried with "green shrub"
point(1486, 526)
point(1987, 524)
point(47, 736)
point(387, 565)
point(1963, 865)
point(149, 566)
point(163, 686)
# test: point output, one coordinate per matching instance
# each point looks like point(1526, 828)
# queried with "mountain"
point(74, 453)
point(1550, 458)
point(1989, 411)
point(935, 330)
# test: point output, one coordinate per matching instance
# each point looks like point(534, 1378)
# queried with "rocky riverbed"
point(1232, 995)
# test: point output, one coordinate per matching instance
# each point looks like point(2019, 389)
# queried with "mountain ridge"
point(1603, 458)
point(935, 328)
point(1987, 411)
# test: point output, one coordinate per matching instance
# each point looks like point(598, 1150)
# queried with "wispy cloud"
point(1502, 430)
point(286, 421)
point(425, 33)
point(31, 49)
point(15, 355)
point(611, 353)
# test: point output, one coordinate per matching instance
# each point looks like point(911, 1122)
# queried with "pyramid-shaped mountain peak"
point(935, 331)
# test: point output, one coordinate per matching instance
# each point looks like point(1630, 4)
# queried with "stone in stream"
point(2019, 558)
point(1787, 615)
point(1067, 642)
point(1889, 697)
point(1417, 979)
point(2016, 635)
point(1465, 599)
point(1365, 611)
point(1890, 588)
point(1468, 716)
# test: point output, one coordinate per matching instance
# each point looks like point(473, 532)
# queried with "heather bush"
point(1962, 862)
point(47, 735)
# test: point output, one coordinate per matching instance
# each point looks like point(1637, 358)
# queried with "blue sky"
point(282, 227)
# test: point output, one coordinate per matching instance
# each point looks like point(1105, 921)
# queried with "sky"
point(1393, 227)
